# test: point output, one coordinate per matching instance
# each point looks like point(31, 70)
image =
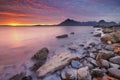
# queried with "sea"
point(18, 44)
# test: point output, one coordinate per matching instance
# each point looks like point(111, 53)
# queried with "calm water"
point(18, 44)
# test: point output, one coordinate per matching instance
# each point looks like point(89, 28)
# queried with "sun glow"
point(14, 24)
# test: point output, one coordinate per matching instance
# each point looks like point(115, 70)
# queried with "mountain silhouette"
point(71, 22)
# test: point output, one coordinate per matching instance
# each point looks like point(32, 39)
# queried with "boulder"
point(52, 77)
point(104, 63)
point(69, 74)
point(62, 36)
point(76, 64)
point(97, 73)
point(18, 76)
point(107, 30)
point(114, 72)
point(115, 60)
point(116, 48)
point(104, 55)
point(84, 74)
point(58, 61)
point(114, 66)
point(41, 54)
point(111, 37)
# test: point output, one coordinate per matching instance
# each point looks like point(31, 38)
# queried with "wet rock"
point(72, 33)
point(27, 78)
point(109, 47)
point(116, 48)
point(115, 60)
point(107, 30)
point(114, 65)
point(62, 36)
point(97, 35)
point(76, 64)
point(84, 74)
point(93, 44)
point(73, 47)
point(37, 65)
point(58, 61)
point(111, 37)
point(104, 55)
point(69, 74)
point(93, 62)
point(97, 73)
point(41, 54)
point(114, 72)
point(104, 63)
point(17, 76)
point(52, 77)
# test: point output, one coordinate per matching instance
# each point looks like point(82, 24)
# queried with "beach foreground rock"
point(57, 62)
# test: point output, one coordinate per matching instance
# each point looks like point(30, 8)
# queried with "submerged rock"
point(62, 36)
point(84, 74)
point(41, 54)
point(114, 72)
point(18, 76)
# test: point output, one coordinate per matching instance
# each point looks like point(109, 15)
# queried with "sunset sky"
point(55, 11)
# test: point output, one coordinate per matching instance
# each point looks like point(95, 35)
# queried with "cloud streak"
point(54, 11)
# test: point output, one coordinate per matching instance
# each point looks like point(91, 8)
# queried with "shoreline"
point(87, 60)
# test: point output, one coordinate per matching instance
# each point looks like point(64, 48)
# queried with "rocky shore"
point(96, 59)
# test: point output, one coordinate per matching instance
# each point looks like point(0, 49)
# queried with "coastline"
point(89, 59)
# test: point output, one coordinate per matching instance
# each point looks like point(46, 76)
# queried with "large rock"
point(104, 63)
point(52, 77)
point(114, 72)
point(97, 73)
point(41, 54)
point(57, 62)
point(104, 55)
point(76, 64)
point(18, 76)
point(84, 74)
point(114, 65)
point(111, 37)
point(115, 60)
point(116, 48)
point(107, 30)
point(69, 74)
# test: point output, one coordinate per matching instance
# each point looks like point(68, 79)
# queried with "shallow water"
point(18, 44)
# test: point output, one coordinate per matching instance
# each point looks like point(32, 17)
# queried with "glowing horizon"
point(50, 12)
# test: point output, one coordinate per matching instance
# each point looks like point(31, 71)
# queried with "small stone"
point(115, 60)
point(76, 64)
point(114, 72)
point(27, 78)
point(109, 47)
point(116, 48)
point(62, 36)
point(105, 63)
point(114, 65)
point(84, 74)
point(52, 77)
point(73, 47)
point(69, 74)
point(93, 44)
point(97, 73)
